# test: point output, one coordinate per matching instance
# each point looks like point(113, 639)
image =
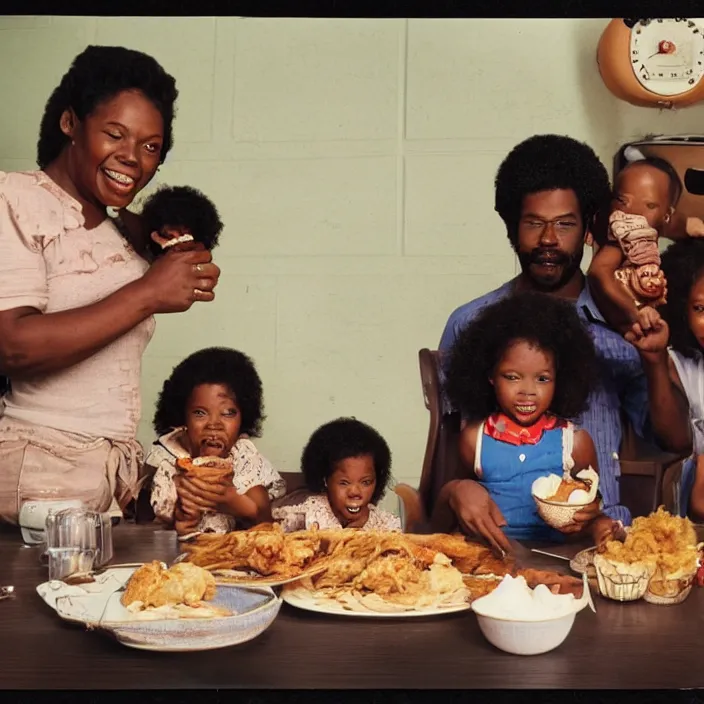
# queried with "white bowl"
point(526, 637)
point(557, 514)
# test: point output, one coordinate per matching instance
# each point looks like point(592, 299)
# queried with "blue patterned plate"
point(253, 611)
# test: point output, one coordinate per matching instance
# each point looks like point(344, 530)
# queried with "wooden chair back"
point(643, 469)
point(441, 462)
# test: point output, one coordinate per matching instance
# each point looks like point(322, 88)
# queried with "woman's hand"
point(478, 514)
point(176, 280)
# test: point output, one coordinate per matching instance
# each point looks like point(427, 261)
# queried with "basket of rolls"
point(559, 498)
point(657, 561)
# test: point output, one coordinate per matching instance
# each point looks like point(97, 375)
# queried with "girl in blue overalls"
point(518, 372)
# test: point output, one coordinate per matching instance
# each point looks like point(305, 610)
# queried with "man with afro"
point(552, 193)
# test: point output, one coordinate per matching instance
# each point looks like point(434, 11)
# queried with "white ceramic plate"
point(303, 599)
point(97, 606)
point(105, 584)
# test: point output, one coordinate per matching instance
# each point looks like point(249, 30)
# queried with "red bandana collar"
point(500, 427)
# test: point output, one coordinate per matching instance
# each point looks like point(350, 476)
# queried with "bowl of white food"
point(559, 514)
point(524, 621)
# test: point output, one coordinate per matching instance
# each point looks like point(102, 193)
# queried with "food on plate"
point(480, 585)
point(659, 550)
point(668, 542)
point(575, 491)
point(382, 572)
point(366, 570)
point(210, 469)
point(567, 488)
point(264, 549)
point(514, 599)
point(181, 591)
point(468, 557)
point(556, 583)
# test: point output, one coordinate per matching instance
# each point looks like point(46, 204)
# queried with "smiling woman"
point(77, 293)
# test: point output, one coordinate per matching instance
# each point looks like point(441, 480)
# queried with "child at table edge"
point(346, 465)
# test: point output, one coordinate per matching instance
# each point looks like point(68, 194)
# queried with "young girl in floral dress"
point(518, 372)
point(209, 407)
point(347, 467)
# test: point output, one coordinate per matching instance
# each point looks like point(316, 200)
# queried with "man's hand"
point(604, 529)
point(653, 344)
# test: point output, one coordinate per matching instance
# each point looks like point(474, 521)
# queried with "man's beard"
point(568, 264)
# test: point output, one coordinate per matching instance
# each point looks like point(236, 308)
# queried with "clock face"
point(667, 55)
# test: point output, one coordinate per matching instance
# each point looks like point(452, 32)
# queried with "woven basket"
point(622, 582)
point(668, 592)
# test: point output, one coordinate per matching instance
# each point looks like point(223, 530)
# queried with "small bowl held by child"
point(560, 513)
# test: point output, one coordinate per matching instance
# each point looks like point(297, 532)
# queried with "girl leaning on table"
point(347, 468)
point(676, 375)
point(518, 372)
point(209, 407)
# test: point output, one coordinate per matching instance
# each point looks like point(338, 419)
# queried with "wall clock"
point(653, 62)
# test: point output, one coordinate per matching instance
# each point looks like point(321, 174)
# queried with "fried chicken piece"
point(142, 583)
point(197, 584)
point(399, 581)
point(467, 557)
point(341, 570)
point(565, 489)
point(352, 553)
point(390, 575)
point(155, 586)
point(558, 583)
point(265, 549)
point(478, 587)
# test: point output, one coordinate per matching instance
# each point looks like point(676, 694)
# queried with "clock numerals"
point(667, 56)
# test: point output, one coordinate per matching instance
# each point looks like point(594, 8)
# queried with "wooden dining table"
point(630, 646)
